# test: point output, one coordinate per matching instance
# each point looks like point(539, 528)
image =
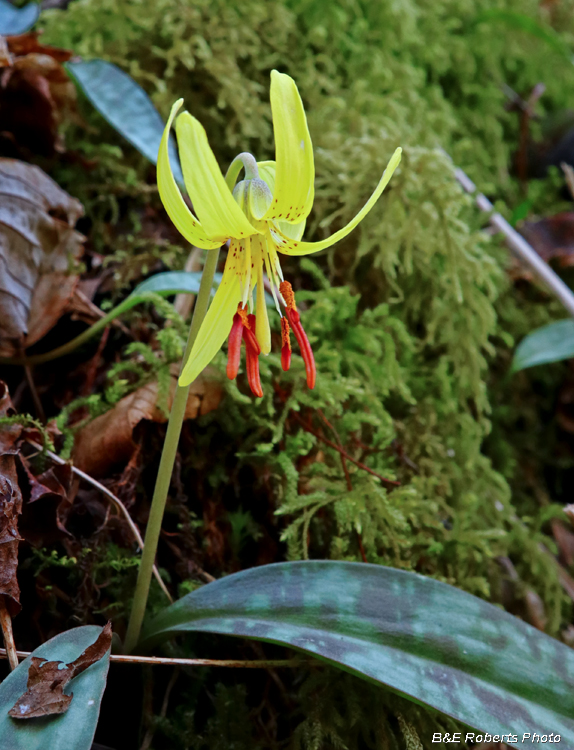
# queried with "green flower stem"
point(166, 463)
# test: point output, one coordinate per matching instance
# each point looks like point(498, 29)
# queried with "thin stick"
point(519, 246)
point(166, 463)
point(116, 501)
point(230, 663)
point(343, 452)
point(35, 397)
point(6, 624)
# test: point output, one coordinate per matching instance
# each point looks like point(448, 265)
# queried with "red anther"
point(252, 352)
point(234, 347)
point(304, 345)
point(286, 346)
point(249, 336)
point(249, 328)
point(285, 358)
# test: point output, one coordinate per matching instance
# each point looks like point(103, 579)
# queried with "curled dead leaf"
point(38, 244)
point(47, 679)
point(107, 440)
point(36, 94)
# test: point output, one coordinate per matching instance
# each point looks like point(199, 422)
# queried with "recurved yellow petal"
point(295, 169)
point(288, 246)
point(178, 212)
point(216, 208)
point(267, 174)
point(216, 325)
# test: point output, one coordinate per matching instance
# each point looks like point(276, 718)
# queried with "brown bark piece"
point(38, 243)
point(107, 440)
point(47, 679)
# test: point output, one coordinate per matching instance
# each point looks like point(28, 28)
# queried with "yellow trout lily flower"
point(262, 215)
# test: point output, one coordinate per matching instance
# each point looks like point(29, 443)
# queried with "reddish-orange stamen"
point(234, 346)
point(252, 352)
point(286, 345)
point(249, 330)
point(304, 345)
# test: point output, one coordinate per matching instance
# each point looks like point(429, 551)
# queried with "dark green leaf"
point(551, 343)
point(126, 106)
point(422, 638)
point(17, 20)
point(73, 730)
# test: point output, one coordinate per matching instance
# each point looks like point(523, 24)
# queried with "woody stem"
point(166, 464)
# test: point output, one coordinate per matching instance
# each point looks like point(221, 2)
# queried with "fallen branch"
point(519, 246)
point(232, 663)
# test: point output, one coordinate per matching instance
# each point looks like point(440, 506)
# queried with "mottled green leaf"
point(73, 730)
point(551, 343)
point(126, 106)
point(15, 20)
point(427, 640)
point(175, 282)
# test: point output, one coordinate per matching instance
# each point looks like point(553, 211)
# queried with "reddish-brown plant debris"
point(47, 679)
point(10, 505)
point(36, 95)
point(107, 440)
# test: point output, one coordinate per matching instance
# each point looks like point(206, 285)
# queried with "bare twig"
point(307, 426)
point(519, 246)
point(231, 663)
point(117, 502)
point(6, 624)
point(34, 393)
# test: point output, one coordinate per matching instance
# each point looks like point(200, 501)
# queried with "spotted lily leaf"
point(551, 343)
point(174, 282)
point(73, 730)
point(14, 20)
point(422, 638)
point(126, 106)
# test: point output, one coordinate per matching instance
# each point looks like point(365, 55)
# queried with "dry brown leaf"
point(552, 237)
point(38, 244)
point(10, 506)
point(107, 440)
point(36, 94)
point(47, 680)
